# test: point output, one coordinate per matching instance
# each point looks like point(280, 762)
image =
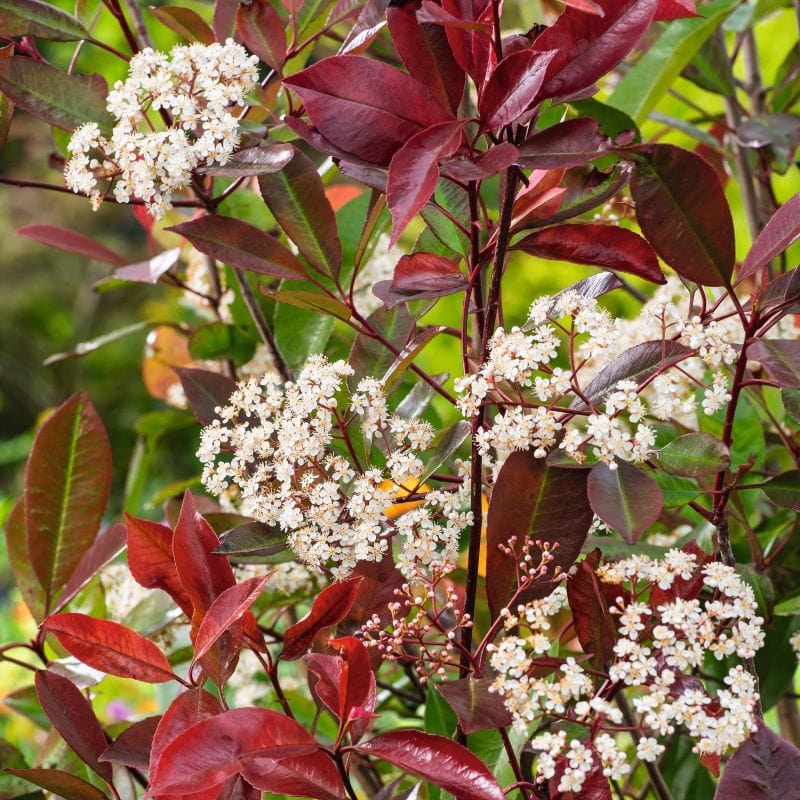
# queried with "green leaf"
point(455, 201)
point(64, 101)
point(677, 491)
point(694, 455)
point(218, 340)
point(791, 403)
point(67, 484)
point(445, 447)
point(296, 197)
point(299, 332)
point(788, 608)
point(394, 375)
point(439, 717)
point(784, 489)
point(252, 539)
point(644, 85)
point(371, 358)
point(776, 661)
point(36, 18)
point(315, 301)
point(612, 121)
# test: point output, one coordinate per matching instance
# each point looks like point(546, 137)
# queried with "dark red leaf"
point(567, 144)
point(313, 775)
point(263, 32)
point(329, 608)
point(424, 50)
point(110, 543)
point(626, 499)
point(224, 18)
point(151, 562)
point(296, 197)
point(476, 707)
point(595, 785)
point(765, 767)
point(414, 171)
point(324, 675)
point(67, 483)
point(109, 647)
point(375, 591)
point(60, 783)
point(781, 358)
point(438, 760)
point(675, 9)
point(782, 230)
point(528, 501)
point(356, 686)
point(132, 747)
point(512, 88)
point(188, 24)
point(366, 107)
point(495, 160)
point(71, 242)
point(589, 46)
point(427, 272)
point(72, 716)
point(151, 270)
point(205, 391)
point(468, 26)
point(595, 245)
point(213, 749)
point(20, 562)
point(682, 211)
point(241, 245)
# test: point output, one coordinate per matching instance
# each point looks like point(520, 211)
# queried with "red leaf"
point(427, 273)
point(313, 775)
point(326, 672)
point(467, 24)
point(185, 710)
point(72, 716)
point(438, 760)
point(110, 543)
point(491, 162)
point(595, 245)
point(132, 747)
point(476, 707)
point(528, 501)
point(226, 610)
point(567, 144)
point(188, 24)
point(589, 46)
point(205, 391)
point(263, 32)
point(595, 785)
point(765, 767)
point(375, 591)
point(329, 608)
point(626, 499)
point(414, 171)
point(60, 783)
point(110, 647)
point(213, 749)
point(71, 242)
point(782, 230)
point(682, 211)
point(151, 562)
point(512, 88)
point(356, 686)
point(366, 107)
point(20, 562)
point(781, 357)
point(67, 483)
point(151, 270)
point(424, 50)
point(241, 245)
point(675, 9)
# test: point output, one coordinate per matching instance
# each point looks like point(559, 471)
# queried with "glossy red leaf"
point(595, 245)
point(376, 590)
point(205, 391)
point(109, 647)
point(781, 358)
point(590, 46)
point(765, 767)
point(109, 544)
point(468, 26)
point(626, 499)
point(71, 242)
point(428, 273)
point(475, 706)
point(366, 107)
point(528, 501)
point(263, 32)
point(188, 24)
point(151, 561)
point(60, 783)
point(67, 483)
point(682, 211)
point(512, 88)
point(567, 144)
point(314, 775)
point(213, 749)
point(328, 609)
point(227, 610)
point(324, 675)
point(675, 9)
point(132, 747)
point(440, 761)
point(356, 685)
point(241, 245)
point(151, 270)
point(425, 52)
point(296, 197)
point(493, 161)
point(414, 171)
point(20, 562)
point(71, 715)
point(782, 230)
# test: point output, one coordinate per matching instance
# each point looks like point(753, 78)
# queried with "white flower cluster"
point(335, 510)
point(194, 89)
point(660, 646)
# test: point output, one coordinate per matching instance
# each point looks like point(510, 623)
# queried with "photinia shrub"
point(445, 533)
